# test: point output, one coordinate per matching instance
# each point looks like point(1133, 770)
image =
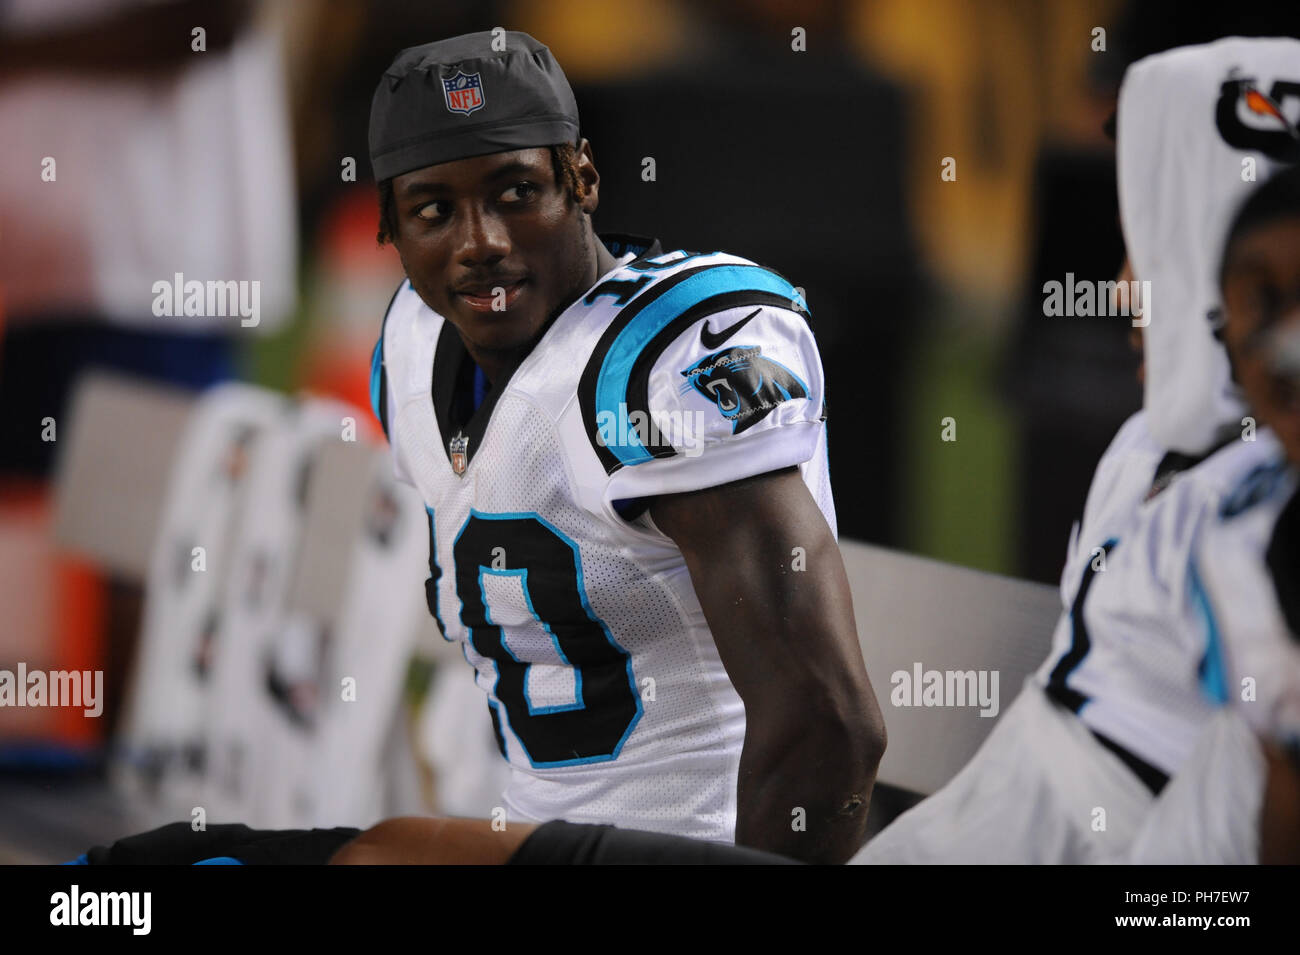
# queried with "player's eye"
point(519, 192)
point(1260, 313)
point(432, 211)
point(1264, 298)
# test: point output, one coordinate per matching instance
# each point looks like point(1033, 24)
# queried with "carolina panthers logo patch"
point(743, 384)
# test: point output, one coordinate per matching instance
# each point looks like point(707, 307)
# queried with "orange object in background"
point(352, 283)
point(340, 375)
point(54, 616)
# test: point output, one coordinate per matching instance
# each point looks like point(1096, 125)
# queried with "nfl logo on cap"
point(464, 92)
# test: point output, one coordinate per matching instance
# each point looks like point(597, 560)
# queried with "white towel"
point(1187, 120)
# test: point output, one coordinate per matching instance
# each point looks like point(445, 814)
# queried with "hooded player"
point(1236, 800)
point(1073, 766)
point(622, 452)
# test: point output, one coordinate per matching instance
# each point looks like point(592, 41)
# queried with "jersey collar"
point(622, 243)
point(462, 413)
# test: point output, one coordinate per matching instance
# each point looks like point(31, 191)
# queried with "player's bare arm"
point(814, 734)
point(413, 840)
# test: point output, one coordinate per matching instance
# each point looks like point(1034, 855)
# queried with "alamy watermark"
point(679, 427)
point(132, 910)
point(1088, 299)
point(84, 688)
point(922, 687)
point(214, 299)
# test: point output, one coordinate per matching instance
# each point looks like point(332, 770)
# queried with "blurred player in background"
point(1072, 768)
point(622, 452)
point(1237, 799)
point(138, 129)
point(143, 140)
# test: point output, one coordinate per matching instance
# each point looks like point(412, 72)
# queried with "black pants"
point(178, 844)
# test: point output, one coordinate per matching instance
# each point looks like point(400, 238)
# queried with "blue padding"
point(376, 378)
point(47, 755)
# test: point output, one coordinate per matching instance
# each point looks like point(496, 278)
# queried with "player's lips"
point(484, 297)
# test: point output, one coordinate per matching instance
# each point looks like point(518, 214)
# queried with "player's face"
point(494, 244)
point(1261, 293)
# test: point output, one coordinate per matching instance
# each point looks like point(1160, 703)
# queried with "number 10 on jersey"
point(548, 564)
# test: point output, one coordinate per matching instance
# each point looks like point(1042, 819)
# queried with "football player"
point(1216, 542)
point(622, 452)
point(1237, 799)
point(1074, 765)
point(1138, 673)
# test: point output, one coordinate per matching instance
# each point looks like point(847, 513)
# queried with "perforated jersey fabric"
point(603, 681)
point(1128, 649)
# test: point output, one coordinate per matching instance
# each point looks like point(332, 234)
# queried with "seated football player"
point(1072, 771)
point(1193, 603)
point(1237, 798)
point(1075, 764)
point(1208, 572)
point(622, 452)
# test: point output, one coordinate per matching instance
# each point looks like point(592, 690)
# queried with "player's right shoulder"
point(1132, 442)
point(385, 361)
point(1121, 479)
point(403, 309)
point(1233, 480)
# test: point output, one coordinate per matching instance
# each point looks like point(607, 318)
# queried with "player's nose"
point(481, 238)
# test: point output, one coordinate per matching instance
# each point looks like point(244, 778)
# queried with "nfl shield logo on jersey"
point(459, 448)
point(464, 92)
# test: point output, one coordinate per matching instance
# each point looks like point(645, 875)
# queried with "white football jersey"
point(1125, 656)
point(674, 372)
point(1254, 658)
point(1210, 811)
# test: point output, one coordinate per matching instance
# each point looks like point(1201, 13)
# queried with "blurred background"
point(135, 149)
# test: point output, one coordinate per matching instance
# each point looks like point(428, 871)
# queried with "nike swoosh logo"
point(712, 341)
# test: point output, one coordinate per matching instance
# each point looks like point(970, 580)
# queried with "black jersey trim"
point(1080, 643)
point(453, 368)
point(453, 375)
point(620, 244)
point(1154, 779)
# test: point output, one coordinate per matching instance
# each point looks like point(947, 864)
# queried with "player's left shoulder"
point(1254, 488)
point(712, 339)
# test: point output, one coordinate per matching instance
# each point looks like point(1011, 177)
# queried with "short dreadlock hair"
point(564, 160)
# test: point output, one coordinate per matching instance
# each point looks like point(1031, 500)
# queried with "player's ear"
point(588, 176)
